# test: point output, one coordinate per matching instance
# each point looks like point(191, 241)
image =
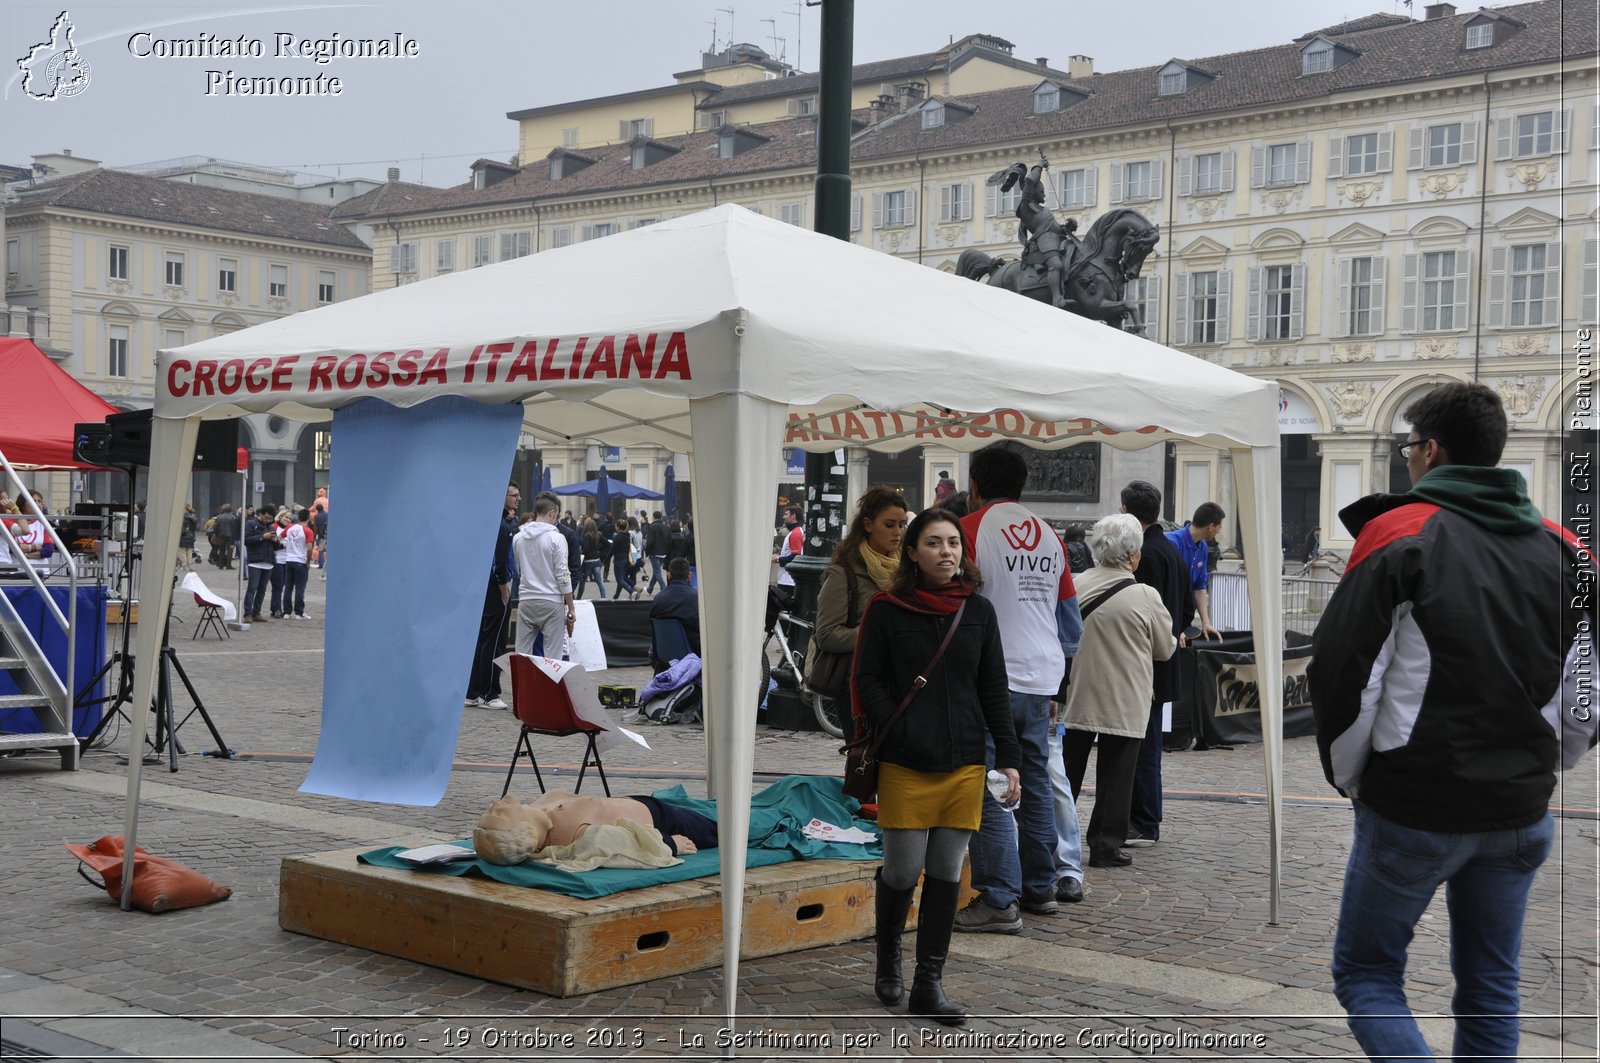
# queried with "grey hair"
point(1115, 539)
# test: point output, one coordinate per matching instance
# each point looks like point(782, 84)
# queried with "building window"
point(1145, 292)
point(1046, 99)
point(1075, 185)
point(444, 256)
point(803, 105)
point(894, 209)
point(1317, 59)
point(482, 250)
point(933, 115)
point(595, 232)
point(639, 127)
point(561, 236)
point(1361, 303)
point(1534, 134)
point(1361, 154)
point(1283, 162)
point(569, 137)
point(1444, 145)
point(117, 351)
point(322, 451)
point(325, 279)
point(1278, 310)
point(1005, 203)
point(1438, 291)
point(1203, 304)
point(173, 338)
point(405, 258)
point(1208, 172)
point(116, 266)
point(1589, 282)
point(515, 245)
point(792, 213)
point(1527, 289)
point(1136, 181)
point(175, 262)
point(955, 202)
point(1480, 36)
point(278, 282)
point(1174, 82)
point(228, 275)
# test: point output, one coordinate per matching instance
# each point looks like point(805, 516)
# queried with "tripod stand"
point(166, 732)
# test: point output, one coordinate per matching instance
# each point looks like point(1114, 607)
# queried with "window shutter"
point(588, 232)
point(1590, 273)
point(1186, 175)
point(1336, 149)
point(1297, 303)
point(1224, 305)
point(1414, 149)
point(1408, 295)
point(1561, 132)
point(1502, 138)
point(1227, 170)
point(1552, 284)
point(877, 210)
point(649, 127)
point(1469, 142)
point(911, 206)
point(1302, 162)
point(1379, 294)
point(1158, 169)
point(945, 194)
point(1385, 152)
point(966, 201)
point(991, 201)
point(1116, 184)
point(1252, 306)
point(624, 130)
point(855, 213)
point(1341, 325)
point(1258, 167)
point(1152, 307)
point(1089, 193)
point(1180, 312)
point(1497, 287)
point(1463, 289)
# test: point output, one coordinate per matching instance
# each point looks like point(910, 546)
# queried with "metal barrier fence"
point(1304, 599)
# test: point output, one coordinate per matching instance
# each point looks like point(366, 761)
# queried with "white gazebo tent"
point(729, 335)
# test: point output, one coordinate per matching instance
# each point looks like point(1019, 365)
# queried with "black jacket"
point(1160, 567)
point(1448, 670)
point(258, 548)
point(966, 697)
point(657, 538)
point(500, 568)
point(679, 601)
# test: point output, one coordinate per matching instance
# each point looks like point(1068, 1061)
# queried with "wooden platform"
point(561, 945)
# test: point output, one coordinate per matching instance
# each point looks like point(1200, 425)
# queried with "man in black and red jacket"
point(1448, 691)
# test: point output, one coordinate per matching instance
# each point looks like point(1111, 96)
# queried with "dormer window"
point(1480, 35)
point(636, 158)
point(1174, 83)
point(642, 153)
point(726, 147)
point(564, 163)
point(1047, 98)
point(1320, 55)
point(733, 141)
point(933, 115)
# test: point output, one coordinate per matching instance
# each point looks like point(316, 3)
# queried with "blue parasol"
point(545, 484)
point(669, 487)
point(602, 492)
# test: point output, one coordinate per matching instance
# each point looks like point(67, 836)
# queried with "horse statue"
point(1095, 278)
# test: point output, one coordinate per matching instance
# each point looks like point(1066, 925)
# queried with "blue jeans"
point(1069, 842)
point(256, 590)
point(1014, 855)
point(656, 561)
point(280, 579)
point(298, 574)
point(1392, 875)
point(590, 571)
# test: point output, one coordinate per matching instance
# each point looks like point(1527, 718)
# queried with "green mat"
point(778, 816)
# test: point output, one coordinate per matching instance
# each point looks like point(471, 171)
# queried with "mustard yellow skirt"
point(919, 800)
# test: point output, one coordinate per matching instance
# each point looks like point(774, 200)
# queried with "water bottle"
point(998, 785)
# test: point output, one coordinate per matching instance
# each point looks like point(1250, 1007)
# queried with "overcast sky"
point(433, 114)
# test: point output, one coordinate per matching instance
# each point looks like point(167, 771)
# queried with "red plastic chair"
point(210, 617)
point(544, 707)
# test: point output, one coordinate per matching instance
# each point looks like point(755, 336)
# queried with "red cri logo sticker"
point(1024, 536)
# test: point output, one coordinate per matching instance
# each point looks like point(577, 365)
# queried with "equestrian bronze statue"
point(1088, 277)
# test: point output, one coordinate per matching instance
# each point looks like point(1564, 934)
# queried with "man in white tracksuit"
point(545, 594)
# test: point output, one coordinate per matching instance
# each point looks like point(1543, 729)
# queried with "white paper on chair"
point(585, 696)
point(584, 645)
point(1166, 716)
point(197, 586)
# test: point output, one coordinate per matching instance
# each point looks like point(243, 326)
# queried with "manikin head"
point(510, 832)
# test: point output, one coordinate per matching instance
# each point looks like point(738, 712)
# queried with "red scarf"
point(936, 601)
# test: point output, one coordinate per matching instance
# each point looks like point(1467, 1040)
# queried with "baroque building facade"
point(1359, 214)
point(105, 267)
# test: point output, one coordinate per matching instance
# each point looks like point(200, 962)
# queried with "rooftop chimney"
point(1043, 60)
point(1433, 11)
point(1080, 66)
point(394, 174)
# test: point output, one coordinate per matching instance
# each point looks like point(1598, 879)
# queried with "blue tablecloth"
point(91, 650)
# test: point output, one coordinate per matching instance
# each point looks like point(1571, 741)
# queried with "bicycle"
point(792, 665)
point(1335, 564)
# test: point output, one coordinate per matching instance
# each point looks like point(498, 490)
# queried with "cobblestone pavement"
point(1171, 958)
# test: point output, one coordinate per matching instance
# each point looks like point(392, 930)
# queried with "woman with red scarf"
point(931, 778)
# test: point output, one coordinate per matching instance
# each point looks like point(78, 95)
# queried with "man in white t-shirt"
point(1026, 577)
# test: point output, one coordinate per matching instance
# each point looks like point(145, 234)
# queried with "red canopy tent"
point(39, 405)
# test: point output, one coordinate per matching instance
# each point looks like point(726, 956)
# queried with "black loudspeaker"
point(215, 450)
point(91, 443)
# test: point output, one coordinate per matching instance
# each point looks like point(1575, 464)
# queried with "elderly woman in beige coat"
point(1125, 628)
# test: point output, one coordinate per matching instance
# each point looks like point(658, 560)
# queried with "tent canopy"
point(39, 405)
point(615, 487)
point(728, 335)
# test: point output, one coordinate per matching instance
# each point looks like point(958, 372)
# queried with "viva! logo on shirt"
point(1024, 536)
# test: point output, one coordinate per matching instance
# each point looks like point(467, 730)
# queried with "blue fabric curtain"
point(420, 491)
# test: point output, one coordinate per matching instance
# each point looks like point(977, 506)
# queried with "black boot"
point(935, 921)
point(892, 907)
